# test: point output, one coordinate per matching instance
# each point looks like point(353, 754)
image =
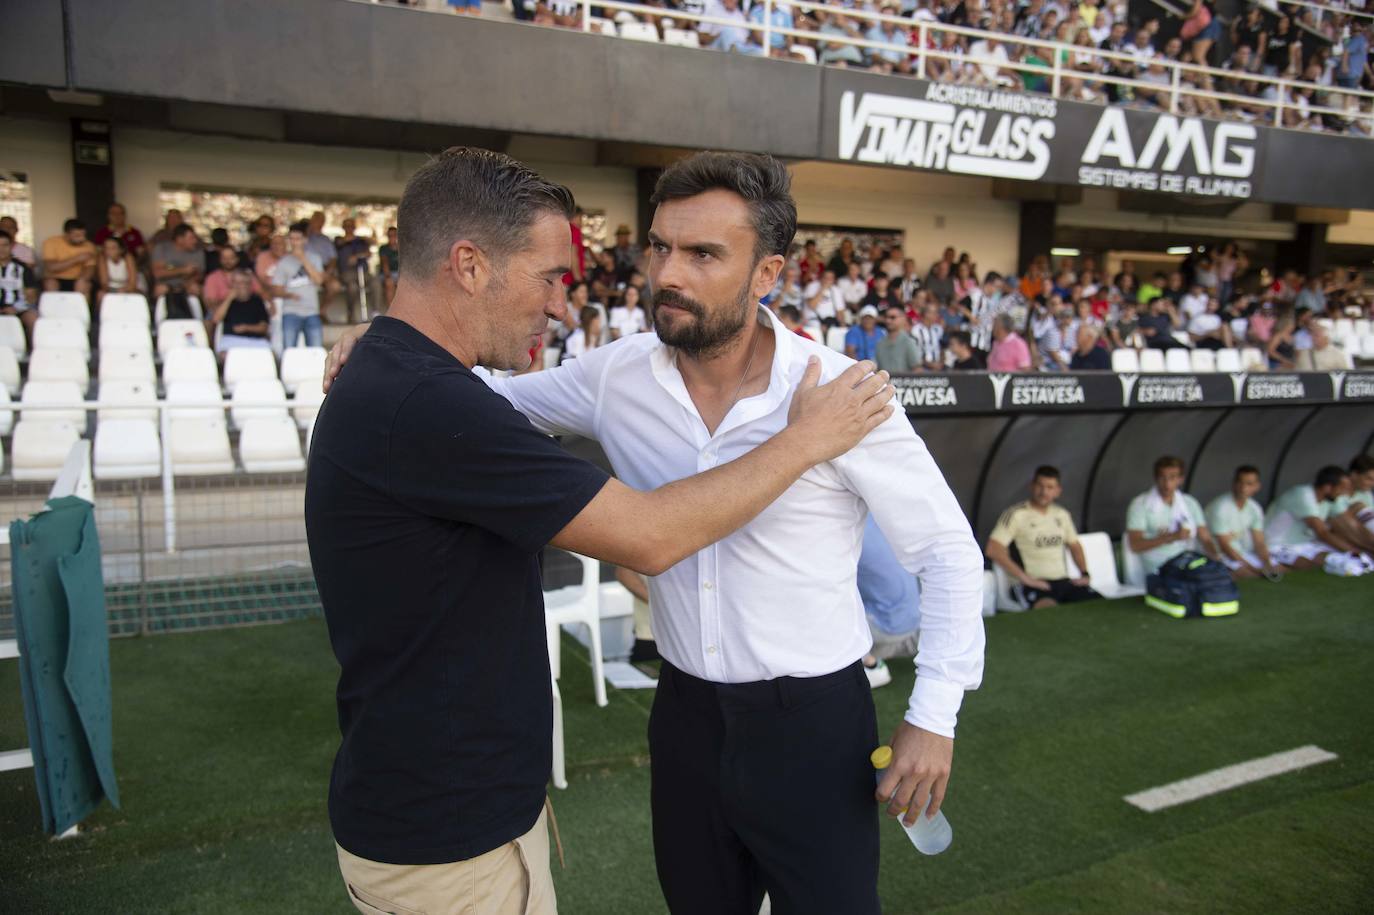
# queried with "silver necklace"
point(753, 348)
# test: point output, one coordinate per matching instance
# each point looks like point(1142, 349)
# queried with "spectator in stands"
point(1322, 356)
point(69, 260)
point(789, 289)
point(1250, 30)
point(728, 37)
point(171, 221)
point(20, 252)
point(565, 14)
point(464, 7)
point(811, 263)
point(897, 60)
point(929, 335)
point(296, 280)
point(1151, 290)
point(219, 240)
point(1282, 349)
point(18, 285)
point(1049, 340)
point(260, 235)
point(939, 282)
point(882, 296)
point(586, 337)
point(1039, 531)
point(328, 253)
point(1209, 329)
point(824, 301)
point(1163, 522)
point(219, 287)
point(853, 287)
point(354, 254)
point(246, 319)
point(116, 271)
point(1009, 352)
point(1157, 327)
point(1237, 522)
point(1088, 355)
point(1296, 524)
point(266, 261)
point(790, 317)
point(897, 351)
point(966, 358)
point(626, 253)
point(1203, 29)
point(838, 53)
point(178, 264)
point(628, 317)
point(1193, 302)
point(117, 226)
point(840, 260)
point(861, 342)
point(389, 264)
point(1354, 64)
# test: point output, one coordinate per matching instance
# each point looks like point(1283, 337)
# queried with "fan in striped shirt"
point(18, 285)
point(930, 338)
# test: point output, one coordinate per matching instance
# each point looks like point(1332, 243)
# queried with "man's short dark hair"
point(762, 181)
point(486, 197)
point(961, 337)
point(1330, 475)
point(302, 226)
point(73, 224)
point(1243, 469)
point(6, 236)
point(1167, 461)
point(992, 276)
point(1046, 472)
point(576, 285)
point(790, 312)
point(219, 237)
point(1363, 463)
point(182, 231)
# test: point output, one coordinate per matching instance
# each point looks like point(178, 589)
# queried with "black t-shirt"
point(251, 310)
point(889, 299)
point(428, 499)
point(1279, 48)
point(1096, 360)
point(1248, 35)
point(976, 362)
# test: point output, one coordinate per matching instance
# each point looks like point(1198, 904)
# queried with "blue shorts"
point(466, 4)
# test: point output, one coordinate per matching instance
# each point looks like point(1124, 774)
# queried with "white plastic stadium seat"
point(61, 333)
point(190, 363)
point(126, 449)
point(128, 307)
point(599, 26)
point(1151, 360)
point(248, 365)
point(124, 335)
point(1125, 360)
point(127, 365)
point(196, 400)
point(192, 303)
point(124, 391)
point(200, 447)
point(9, 370)
point(682, 38)
point(6, 413)
point(12, 336)
point(1006, 603)
point(1132, 567)
point(40, 448)
point(1178, 361)
point(579, 604)
point(1097, 550)
point(1252, 360)
point(1342, 331)
point(302, 365)
point(65, 305)
point(834, 338)
point(1204, 360)
point(808, 55)
point(257, 391)
point(60, 365)
point(551, 356)
point(306, 405)
point(54, 392)
point(1363, 327)
point(271, 444)
point(1228, 360)
point(638, 31)
point(175, 334)
point(989, 593)
point(1367, 346)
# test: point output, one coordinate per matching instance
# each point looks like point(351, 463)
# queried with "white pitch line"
point(1227, 777)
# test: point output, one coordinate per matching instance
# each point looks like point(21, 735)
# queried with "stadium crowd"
point(1320, 47)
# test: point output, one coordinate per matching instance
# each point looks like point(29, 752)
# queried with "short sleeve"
point(1195, 509)
point(460, 451)
point(1005, 530)
point(1137, 518)
point(1307, 504)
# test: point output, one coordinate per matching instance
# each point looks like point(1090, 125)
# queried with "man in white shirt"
point(763, 720)
point(824, 301)
point(853, 287)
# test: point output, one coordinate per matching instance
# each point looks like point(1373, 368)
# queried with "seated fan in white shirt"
point(763, 721)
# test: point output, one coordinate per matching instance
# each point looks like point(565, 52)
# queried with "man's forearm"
point(999, 554)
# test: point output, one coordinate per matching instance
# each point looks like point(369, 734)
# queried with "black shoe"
point(644, 650)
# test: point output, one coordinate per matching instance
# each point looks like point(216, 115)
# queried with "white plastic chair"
point(305, 406)
point(1363, 327)
point(989, 593)
point(1252, 360)
point(1097, 550)
point(40, 448)
point(118, 364)
point(1125, 360)
point(1132, 566)
point(65, 305)
point(12, 336)
point(257, 391)
point(302, 365)
point(60, 365)
point(126, 391)
point(682, 38)
point(200, 447)
point(190, 363)
point(1342, 331)
point(196, 400)
point(192, 302)
point(54, 392)
point(1152, 361)
point(6, 412)
point(1005, 602)
point(125, 335)
point(1204, 360)
point(1228, 360)
point(127, 449)
point(1367, 346)
point(271, 444)
point(248, 365)
point(175, 334)
point(1178, 362)
point(61, 333)
point(9, 371)
point(834, 338)
point(639, 31)
point(126, 307)
point(580, 604)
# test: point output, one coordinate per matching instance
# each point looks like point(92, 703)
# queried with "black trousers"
point(765, 787)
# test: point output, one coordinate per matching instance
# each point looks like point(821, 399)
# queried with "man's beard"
point(706, 335)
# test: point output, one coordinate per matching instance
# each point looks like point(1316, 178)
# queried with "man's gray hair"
point(476, 194)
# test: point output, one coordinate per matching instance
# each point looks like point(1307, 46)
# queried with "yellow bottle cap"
point(881, 757)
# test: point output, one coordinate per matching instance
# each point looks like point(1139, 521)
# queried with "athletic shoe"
point(878, 675)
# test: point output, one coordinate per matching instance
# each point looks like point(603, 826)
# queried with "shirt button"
point(710, 649)
point(708, 586)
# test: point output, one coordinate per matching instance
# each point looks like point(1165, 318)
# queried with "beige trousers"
point(511, 880)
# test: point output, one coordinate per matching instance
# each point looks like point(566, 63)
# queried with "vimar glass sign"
point(974, 131)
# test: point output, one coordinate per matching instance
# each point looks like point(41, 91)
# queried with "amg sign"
point(1220, 156)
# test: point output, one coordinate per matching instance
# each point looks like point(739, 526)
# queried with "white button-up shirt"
point(778, 597)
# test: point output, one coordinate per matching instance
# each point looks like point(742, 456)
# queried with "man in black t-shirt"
point(428, 501)
point(18, 285)
point(245, 317)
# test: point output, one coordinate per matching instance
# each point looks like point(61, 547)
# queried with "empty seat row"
point(1183, 361)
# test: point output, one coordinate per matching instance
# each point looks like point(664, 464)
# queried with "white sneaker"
point(878, 675)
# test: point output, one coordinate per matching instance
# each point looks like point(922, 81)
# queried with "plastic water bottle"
point(930, 836)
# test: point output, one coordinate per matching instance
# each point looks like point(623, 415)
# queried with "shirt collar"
point(406, 335)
